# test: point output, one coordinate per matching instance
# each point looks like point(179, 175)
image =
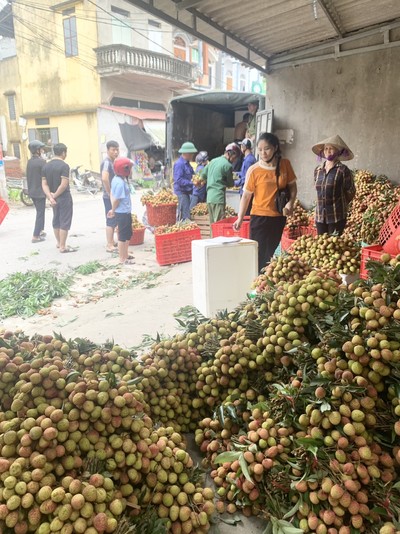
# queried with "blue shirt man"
point(246, 147)
point(183, 173)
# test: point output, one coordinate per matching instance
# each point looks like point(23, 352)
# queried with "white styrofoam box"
point(233, 199)
point(223, 270)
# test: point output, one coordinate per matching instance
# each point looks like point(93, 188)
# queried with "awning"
point(135, 138)
point(157, 131)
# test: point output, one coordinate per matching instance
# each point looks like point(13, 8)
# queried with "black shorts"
point(110, 221)
point(62, 212)
point(124, 222)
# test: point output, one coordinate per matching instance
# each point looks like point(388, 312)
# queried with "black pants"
point(267, 231)
point(40, 205)
point(331, 228)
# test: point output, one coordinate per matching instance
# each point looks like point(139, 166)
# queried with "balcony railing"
point(114, 58)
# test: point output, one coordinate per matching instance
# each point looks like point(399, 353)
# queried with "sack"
point(281, 199)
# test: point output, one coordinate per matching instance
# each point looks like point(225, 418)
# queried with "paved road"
point(134, 312)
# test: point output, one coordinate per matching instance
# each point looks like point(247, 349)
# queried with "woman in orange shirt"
point(266, 223)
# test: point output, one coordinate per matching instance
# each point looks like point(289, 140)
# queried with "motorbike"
point(19, 189)
point(84, 182)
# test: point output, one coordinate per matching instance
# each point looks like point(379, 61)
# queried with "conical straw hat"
point(336, 141)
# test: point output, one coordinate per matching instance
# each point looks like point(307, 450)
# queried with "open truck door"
point(264, 121)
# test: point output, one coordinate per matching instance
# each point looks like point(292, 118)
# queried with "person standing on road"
point(219, 175)
point(107, 174)
point(183, 174)
point(334, 184)
point(55, 183)
point(121, 207)
point(262, 181)
point(34, 173)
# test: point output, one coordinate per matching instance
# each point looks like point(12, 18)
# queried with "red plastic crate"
point(137, 236)
point(224, 227)
point(390, 232)
point(4, 209)
point(162, 215)
point(290, 235)
point(175, 247)
point(372, 252)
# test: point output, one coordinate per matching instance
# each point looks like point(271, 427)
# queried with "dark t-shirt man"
point(53, 171)
point(108, 166)
point(34, 173)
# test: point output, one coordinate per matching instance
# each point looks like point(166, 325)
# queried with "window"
point(70, 37)
point(195, 56)
point(17, 150)
point(45, 135)
point(180, 48)
point(42, 122)
point(121, 32)
point(242, 83)
point(11, 107)
point(155, 40)
point(229, 81)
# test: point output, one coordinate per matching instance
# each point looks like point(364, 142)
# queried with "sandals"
point(67, 250)
point(39, 239)
point(130, 261)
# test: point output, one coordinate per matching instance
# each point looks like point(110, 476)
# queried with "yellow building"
point(70, 60)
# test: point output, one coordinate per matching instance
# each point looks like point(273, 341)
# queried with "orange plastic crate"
point(224, 227)
point(162, 215)
point(290, 235)
point(390, 232)
point(137, 236)
point(4, 209)
point(372, 252)
point(175, 247)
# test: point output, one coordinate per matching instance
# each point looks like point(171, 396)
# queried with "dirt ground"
point(101, 307)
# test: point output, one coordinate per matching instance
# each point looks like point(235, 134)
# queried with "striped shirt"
point(332, 187)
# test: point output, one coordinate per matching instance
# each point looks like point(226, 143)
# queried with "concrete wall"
point(357, 97)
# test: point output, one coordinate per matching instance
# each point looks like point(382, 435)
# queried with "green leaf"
point(229, 456)
point(293, 510)
point(244, 468)
point(113, 314)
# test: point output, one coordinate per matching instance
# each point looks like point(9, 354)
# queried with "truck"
point(208, 120)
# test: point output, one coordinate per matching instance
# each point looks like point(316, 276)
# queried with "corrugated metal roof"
point(261, 31)
point(280, 25)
